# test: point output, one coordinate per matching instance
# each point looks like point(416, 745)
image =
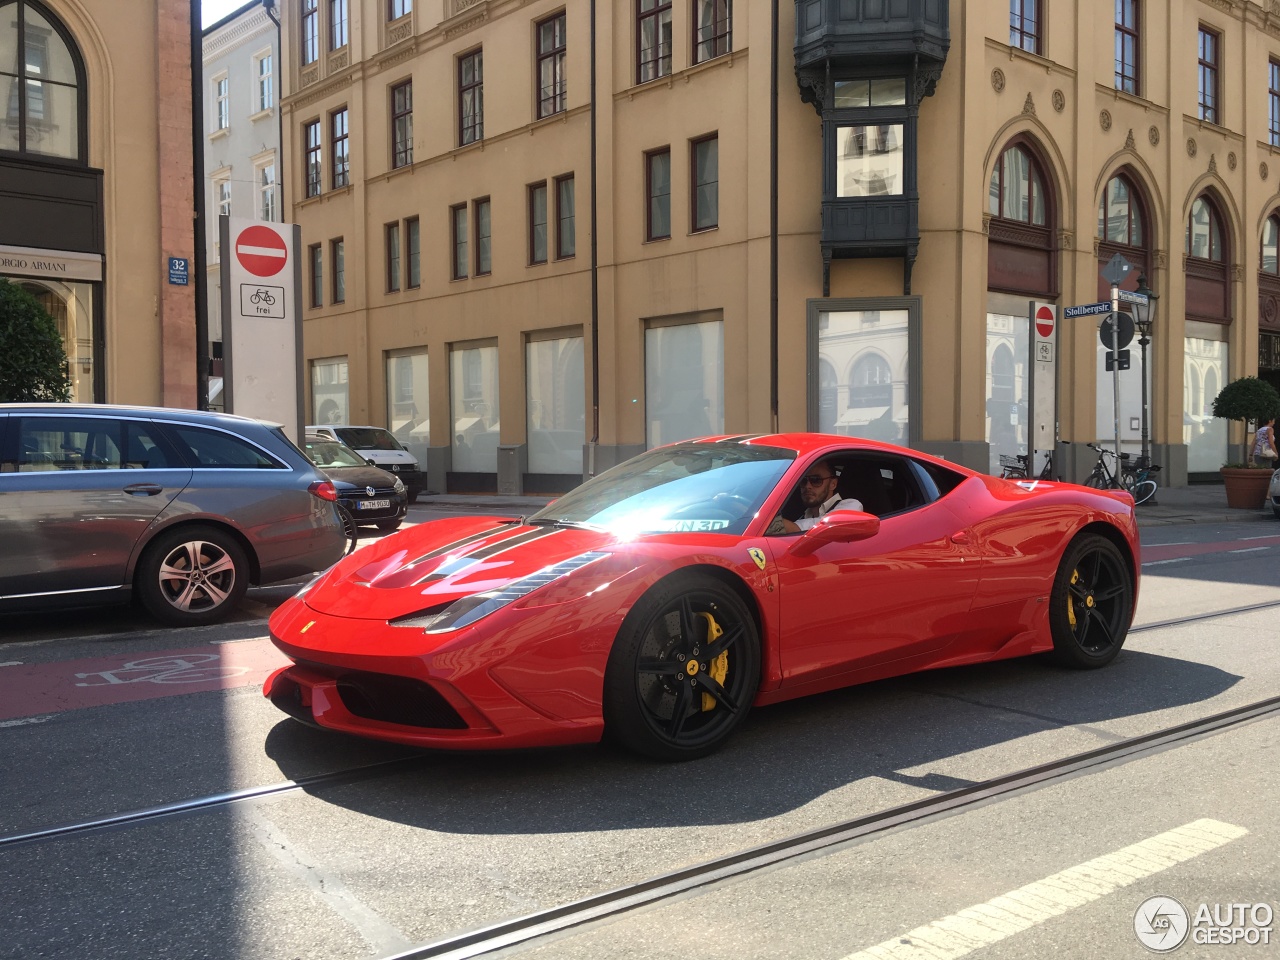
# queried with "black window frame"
point(339, 24)
point(695, 184)
point(1273, 101)
point(340, 147)
point(551, 104)
point(413, 253)
point(1128, 77)
point(21, 86)
point(483, 246)
point(401, 123)
point(309, 45)
point(532, 193)
point(391, 245)
point(1021, 36)
point(315, 263)
point(1208, 70)
point(716, 41)
point(458, 250)
point(471, 130)
point(645, 68)
point(398, 8)
point(561, 253)
point(338, 273)
point(651, 197)
point(312, 163)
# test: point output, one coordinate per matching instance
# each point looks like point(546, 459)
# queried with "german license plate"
point(373, 505)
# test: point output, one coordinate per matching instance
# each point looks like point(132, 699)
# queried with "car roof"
point(118, 409)
point(805, 444)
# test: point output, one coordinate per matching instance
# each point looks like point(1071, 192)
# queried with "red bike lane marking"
point(1177, 551)
point(34, 689)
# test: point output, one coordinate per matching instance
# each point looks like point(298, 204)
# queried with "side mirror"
point(838, 526)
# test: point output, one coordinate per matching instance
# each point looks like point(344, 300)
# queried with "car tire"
point(170, 591)
point(393, 523)
point(412, 496)
point(654, 704)
point(1091, 605)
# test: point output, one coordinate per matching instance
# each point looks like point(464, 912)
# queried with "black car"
point(369, 494)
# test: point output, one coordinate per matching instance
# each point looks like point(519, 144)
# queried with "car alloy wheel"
point(684, 670)
point(1092, 603)
point(192, 575)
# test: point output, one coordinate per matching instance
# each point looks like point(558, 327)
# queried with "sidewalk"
point(1206, 503)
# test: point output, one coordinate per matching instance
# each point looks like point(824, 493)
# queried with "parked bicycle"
point(348, 527)
point(1018, 466)
point(1136, 478)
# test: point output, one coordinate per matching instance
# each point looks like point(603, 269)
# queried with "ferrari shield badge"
point(757, 555)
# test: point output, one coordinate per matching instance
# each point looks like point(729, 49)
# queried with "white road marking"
point(11, 663)
point(1156, 563)
point(380, 935)
point(1249, 550)
point(241, 640)
point(25, 721)
point(986, 923)
point(1175, 543)
point(1269, 536)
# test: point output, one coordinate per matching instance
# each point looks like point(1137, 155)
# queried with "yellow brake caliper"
point(718, 668)
point(1071, 603)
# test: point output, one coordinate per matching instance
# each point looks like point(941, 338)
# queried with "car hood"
point(387, 456)
point(359, 477)
point(436, 563)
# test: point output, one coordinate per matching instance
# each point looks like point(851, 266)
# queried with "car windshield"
point(367, 438)
point(689, 487)
point(329, 453)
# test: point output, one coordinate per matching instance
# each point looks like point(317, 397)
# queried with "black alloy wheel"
point(683, 671)
point(1092, 603)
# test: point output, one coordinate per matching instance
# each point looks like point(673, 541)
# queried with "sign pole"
point(1115, 372)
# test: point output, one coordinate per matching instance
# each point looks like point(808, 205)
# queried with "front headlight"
point(464, 612)
point(398, 486)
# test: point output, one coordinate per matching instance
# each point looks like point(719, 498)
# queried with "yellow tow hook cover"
point(718, 668)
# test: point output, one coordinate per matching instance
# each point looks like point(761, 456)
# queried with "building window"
point(315, 258)
point(704, 160)
point(712, 32)
point(1017, 192)
point(1204, 233)
point(393, 257)
point(413, 250)
point(337, 24)
point(399, 8)
point(337, 256)
point(555, 404)
point(1271, 245)
point(1127, 46)
point(222, 103)
point(551, 54)
point(658, 193)
point(402, 124)
point(683, 381)
point(869, 160)
point(409, 399)
point(538, 223)
point(1208, 74)
point(266, 95)
point(484, 248)
point(311, 139)
point(310, 31)
point(1025, 25)
point(41, 90)
point(267, 192)
point(566, 218)
point(1273, 102)
point(470, 98)
point(1120, 214)
point(329, 400)
point(340, 148)
point(224, 198)
point(474, 413)
point(458, 226)
point(653, 39)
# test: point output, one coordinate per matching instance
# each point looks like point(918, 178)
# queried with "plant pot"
point(1246, 486)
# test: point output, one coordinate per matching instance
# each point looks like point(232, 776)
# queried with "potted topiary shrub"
point(1250, 400)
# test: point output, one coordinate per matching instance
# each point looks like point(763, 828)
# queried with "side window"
point(68, 443)
point(214, 449)
point(886, 485)
point(935, 481)
point(144, 449)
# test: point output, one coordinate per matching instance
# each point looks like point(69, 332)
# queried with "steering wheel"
point(728, 502)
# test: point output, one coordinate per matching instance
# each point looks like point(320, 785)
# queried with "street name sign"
point(1087, 309)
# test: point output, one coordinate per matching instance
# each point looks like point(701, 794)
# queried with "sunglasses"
point(816, 481)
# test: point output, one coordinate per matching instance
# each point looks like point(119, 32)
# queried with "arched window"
point(1208, 250)
point(1204, 234)
point(41, 84)
point(1120, 218)
point(1017, 189)
point(872, 382)
point(1271, 245)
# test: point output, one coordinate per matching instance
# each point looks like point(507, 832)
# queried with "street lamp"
point(1144, 317)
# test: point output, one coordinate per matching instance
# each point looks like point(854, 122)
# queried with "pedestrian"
point(1264, 444)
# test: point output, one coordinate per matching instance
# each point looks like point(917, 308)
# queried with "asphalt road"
point(102, 713)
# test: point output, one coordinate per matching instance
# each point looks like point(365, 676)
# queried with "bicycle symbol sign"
point(261, 301)
point(1044, 351)
point(192, 668)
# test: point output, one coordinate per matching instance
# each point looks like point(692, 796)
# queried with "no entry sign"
point(1044, 321)
point(261, 251)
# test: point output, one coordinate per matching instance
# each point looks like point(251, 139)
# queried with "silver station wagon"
point(180, 509)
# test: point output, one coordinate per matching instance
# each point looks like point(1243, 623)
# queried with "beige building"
point(862, 262)
point(96, 188)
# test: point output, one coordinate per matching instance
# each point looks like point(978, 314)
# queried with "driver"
point(818, 494)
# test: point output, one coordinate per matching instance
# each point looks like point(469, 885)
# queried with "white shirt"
point(814, 514)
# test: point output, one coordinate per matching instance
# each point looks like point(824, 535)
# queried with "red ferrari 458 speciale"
point(661, 600)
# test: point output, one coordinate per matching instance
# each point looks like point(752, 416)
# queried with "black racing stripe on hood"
point(459, 564)
point(450, 547)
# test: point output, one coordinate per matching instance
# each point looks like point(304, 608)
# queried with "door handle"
point(143, 489)
point(960, 539)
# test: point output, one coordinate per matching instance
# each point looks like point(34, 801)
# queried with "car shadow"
point(782, 758)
